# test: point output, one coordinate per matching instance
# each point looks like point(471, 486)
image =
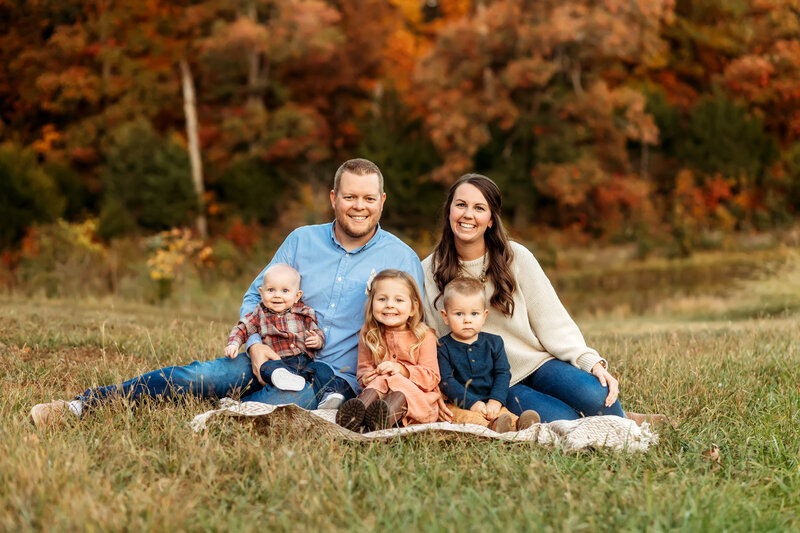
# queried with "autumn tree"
point(530, 92)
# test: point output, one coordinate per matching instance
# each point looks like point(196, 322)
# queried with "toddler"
point(396, 359)
point(474, 366)
point(289, 328)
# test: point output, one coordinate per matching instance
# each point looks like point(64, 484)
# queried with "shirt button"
point(469, 349)
point(291, 345)
point(339, 279)
point(333, 305)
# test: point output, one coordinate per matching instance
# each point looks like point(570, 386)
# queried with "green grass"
point(727, 373)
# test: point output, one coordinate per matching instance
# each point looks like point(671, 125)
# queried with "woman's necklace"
point(484, 267)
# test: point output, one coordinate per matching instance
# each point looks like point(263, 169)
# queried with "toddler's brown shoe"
point(527, 419)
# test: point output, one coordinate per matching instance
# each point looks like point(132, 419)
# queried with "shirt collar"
point(298, 308)
point(449, 337)
point(369, 244)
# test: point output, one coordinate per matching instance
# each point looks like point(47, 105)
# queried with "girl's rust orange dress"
point(421, 387)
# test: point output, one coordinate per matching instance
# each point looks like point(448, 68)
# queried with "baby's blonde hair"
point(374, 330)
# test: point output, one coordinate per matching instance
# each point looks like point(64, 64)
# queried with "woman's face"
point(470, 215)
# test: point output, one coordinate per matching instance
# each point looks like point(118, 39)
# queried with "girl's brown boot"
point(351, 414)
point(386, 413)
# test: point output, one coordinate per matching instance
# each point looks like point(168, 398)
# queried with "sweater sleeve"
point(549, 320)
point(425, 373)
point(454, 390)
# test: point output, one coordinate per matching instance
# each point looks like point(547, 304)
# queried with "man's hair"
point(462, 286)
point(361, 167)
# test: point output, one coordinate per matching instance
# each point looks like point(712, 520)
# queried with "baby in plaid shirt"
point(285, 325)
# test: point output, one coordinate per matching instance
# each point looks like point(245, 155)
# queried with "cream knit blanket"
point(590, 432)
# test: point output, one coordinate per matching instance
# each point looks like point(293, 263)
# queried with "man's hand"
point(607, 380)
point(479, 407)
point(259, 354)
point(232, 350)
point(313, 340)
point(493, 409)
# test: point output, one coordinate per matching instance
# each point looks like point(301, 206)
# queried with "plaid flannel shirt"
point(283, 332)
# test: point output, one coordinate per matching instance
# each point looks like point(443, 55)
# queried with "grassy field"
point(725, 366)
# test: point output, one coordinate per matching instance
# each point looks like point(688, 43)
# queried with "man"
point(336, 261)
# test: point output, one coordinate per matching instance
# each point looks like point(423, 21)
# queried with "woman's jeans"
point(212, 379)
point(560, 391)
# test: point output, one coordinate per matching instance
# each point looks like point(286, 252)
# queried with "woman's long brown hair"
point(445, 259)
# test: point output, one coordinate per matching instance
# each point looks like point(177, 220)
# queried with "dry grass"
point(727, 372)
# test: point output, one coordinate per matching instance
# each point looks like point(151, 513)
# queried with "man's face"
point(357, 206)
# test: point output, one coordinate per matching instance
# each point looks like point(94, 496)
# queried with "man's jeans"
point(213, 379)
point(560, 391)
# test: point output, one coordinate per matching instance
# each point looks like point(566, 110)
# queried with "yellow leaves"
point(410, 9)
point(173, 250)
point(49, 137)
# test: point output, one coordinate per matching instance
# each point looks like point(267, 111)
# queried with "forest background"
point(666, 125)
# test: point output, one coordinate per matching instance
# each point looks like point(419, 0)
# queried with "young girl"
point(397, 364)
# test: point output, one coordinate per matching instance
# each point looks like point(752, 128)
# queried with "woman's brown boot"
point(351, 414)
point(386, 413)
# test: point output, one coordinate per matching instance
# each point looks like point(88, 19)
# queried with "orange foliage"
point(49, 137)
point(242, 235)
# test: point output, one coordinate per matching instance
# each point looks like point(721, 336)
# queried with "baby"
point(285, 325)
point(473, 365)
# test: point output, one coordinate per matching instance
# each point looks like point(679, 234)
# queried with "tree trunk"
point(254, 63)
point(190, 109)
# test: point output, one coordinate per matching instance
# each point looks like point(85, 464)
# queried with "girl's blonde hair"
point(374, 330)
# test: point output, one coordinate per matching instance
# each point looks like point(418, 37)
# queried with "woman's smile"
point(470, 215)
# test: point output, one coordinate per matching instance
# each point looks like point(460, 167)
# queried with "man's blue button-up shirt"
point(334, 284)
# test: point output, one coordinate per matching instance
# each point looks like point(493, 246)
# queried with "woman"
point(552, 370)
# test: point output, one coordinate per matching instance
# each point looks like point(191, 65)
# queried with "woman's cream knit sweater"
point(540, 328)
